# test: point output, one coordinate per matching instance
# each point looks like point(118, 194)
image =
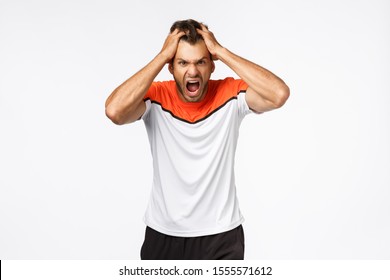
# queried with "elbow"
point(282, 94)
point(114, 115)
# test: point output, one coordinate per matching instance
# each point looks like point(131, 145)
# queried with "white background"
point(313, 177)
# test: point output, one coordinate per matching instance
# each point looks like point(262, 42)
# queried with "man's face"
point(191, 69)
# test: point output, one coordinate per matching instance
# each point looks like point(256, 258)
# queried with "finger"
point(204, 27)
point(204, 31)
point(200, 31)
point(176, 32)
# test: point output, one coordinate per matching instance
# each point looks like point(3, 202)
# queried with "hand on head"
point(192, 32)
point(211, 42)
point(170, 45)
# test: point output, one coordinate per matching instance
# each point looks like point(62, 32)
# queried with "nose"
point(192, 70)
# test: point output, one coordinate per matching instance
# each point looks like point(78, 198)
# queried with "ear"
point(212, 66)
point(170, 67)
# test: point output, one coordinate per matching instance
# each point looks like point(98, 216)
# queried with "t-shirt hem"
point(194, 233)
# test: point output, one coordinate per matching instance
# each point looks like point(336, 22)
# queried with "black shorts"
point(227, 245)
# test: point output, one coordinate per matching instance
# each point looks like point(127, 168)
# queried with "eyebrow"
point(196, 60)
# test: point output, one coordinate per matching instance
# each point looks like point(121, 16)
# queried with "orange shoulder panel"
point(218, 94)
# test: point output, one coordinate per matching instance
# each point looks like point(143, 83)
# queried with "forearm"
point(124, 105)
point(266, 84)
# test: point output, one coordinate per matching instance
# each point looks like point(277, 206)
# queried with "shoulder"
point(160, 90)
point(228, 85)
point(227, 88)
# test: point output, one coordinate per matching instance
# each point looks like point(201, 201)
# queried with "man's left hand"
point(211, 43)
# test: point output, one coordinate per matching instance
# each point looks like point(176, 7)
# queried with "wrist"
point(163, 58)
point(221, 53)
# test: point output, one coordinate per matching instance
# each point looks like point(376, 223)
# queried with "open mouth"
point(193, 87)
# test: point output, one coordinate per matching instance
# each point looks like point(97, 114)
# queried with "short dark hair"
point(189, 26)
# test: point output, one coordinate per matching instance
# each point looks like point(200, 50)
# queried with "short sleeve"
point(149, 96)
point(243, 108)
point(148, 105)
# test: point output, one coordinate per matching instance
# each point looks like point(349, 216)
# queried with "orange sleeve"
point(151, 93)
point(236, 85)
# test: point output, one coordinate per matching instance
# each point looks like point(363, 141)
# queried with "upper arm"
point(129, 115)
point(137, 112)
point(259, 104)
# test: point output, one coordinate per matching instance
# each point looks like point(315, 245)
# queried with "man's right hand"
point(169, 48)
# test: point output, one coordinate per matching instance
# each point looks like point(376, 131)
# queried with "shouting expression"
point(191, 68)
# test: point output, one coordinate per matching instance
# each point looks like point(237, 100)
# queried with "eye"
point(201, 62)
point(182, 63)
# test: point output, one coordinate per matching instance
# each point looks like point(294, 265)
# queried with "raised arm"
point(125, 104)
point(265, 90)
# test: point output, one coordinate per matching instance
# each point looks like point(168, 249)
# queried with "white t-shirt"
point(193, 148)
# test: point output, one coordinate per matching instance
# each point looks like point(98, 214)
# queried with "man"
point(192, 124)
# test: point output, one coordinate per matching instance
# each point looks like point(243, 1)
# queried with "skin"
point(265, 90)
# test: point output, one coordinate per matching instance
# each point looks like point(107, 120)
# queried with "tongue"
point(192, 86)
